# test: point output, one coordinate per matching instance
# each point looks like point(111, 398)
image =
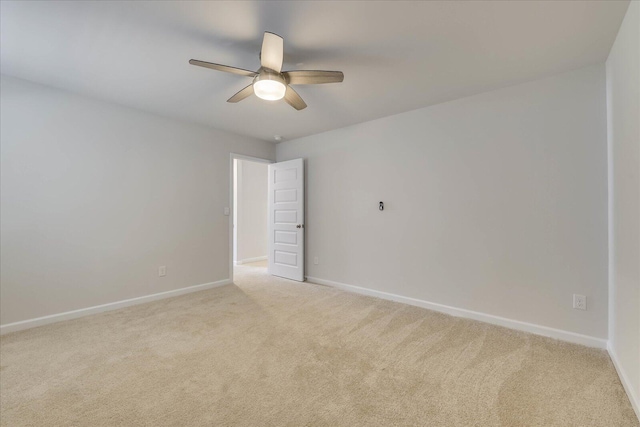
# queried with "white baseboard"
point(475, 315)
point(250, 260)
point(624, 379)
point(45, 320)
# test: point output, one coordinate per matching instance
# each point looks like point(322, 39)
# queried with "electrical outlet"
point(162, 270)
point(315, 260)
point(579, 302)
point(227, 211)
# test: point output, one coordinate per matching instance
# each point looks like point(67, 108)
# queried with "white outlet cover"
point(162, 270)
point(227, 211)
point(315, 260)
point(579, 302)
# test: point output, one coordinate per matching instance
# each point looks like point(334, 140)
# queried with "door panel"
point(286, 219)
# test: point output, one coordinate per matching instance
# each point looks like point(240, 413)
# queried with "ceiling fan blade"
point(303, 77)
point(242, 94)
point(272, 51)
point(225, 68)
point(293, 99)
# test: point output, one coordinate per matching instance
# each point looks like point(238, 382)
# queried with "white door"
point(286, 219)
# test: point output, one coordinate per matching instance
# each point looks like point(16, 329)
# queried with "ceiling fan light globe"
point(271, 90)
point(270, 86)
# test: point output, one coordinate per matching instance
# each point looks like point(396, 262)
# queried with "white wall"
point(251, 229)
point(623, 108)
point(495, 203)
point(95, 197)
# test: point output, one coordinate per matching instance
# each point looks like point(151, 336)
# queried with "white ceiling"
point(396, 56)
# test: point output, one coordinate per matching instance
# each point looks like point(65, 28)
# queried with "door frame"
point(232, 157)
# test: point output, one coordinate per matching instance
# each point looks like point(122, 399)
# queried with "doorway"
point(249, 213)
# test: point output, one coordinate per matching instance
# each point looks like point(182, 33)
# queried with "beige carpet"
point(270, 352)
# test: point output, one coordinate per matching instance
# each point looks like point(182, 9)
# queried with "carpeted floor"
point(270, 352)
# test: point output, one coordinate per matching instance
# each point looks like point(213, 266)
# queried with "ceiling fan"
point(270, 82)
